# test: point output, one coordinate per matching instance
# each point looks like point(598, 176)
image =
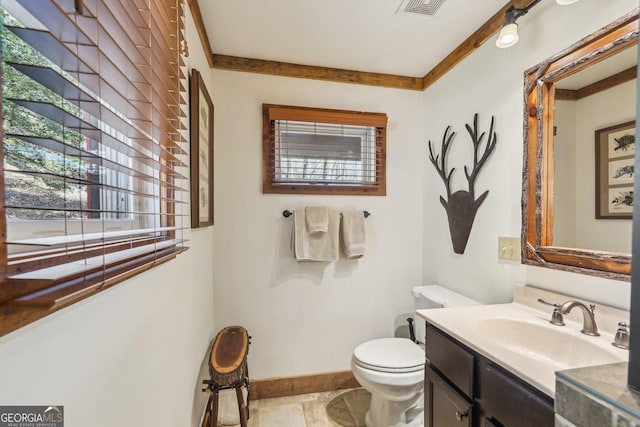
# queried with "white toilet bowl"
point(392, 370)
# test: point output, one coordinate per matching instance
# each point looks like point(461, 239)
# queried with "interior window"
point(318, 151)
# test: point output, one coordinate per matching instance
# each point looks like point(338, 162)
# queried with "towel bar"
point(287, 213)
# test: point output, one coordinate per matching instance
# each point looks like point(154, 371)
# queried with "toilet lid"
point(390, 354)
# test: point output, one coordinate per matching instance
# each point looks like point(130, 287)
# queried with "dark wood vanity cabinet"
point(444, 405)
point(465, 389)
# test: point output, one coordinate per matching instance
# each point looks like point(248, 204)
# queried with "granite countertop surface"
point(608, 382)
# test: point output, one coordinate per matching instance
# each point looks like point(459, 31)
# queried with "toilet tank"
point(435, 296)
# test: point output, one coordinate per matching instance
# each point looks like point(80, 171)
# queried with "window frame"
point(272, 113)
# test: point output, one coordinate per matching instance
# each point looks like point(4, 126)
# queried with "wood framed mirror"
point(543, 165)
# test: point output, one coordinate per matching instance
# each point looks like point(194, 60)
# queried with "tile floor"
point(329, 409)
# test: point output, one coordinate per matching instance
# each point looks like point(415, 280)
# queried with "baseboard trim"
point(291, 386)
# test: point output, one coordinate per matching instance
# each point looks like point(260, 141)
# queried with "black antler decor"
point(462, 205)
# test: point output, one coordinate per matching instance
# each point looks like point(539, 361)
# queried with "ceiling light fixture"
point(508, 35)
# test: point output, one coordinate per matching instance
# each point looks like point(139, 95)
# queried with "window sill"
point(21, 311)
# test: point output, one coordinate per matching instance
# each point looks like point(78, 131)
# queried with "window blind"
point(319, 151)
point(93, 149)
point(306, 152)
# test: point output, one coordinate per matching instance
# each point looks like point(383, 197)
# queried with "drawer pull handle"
point(461, 414)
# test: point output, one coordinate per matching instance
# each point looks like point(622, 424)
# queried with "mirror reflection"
point(594, 146)
point(577, 202)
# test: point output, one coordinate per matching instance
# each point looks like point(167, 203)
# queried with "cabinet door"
point(444, 407)
point(450, 359)
point(511, 402)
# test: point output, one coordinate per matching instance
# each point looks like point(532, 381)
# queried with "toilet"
point(392, 369)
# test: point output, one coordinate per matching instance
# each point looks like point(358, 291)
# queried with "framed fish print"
point(615, 152)
point(201, 122)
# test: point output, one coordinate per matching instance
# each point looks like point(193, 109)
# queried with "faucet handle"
point(556, 316)
point(621, 338)
point(545, 302)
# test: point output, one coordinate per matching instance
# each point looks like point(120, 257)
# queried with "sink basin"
point(519, 337)
point(559, 346)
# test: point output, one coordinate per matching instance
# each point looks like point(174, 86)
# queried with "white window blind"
point(323, 151)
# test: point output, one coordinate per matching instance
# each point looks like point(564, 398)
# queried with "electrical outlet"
point(509, 248)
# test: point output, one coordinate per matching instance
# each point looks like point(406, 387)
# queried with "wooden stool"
point(228, 369)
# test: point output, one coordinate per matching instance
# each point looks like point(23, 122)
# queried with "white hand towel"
point(317, 219)
point(353, 235)
point(317, 246)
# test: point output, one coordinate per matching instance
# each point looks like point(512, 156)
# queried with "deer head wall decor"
point(461, 206)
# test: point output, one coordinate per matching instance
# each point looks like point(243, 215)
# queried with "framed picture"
point(201, 121)
point(615, 152)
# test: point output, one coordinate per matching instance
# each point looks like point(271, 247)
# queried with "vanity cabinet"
point(465, 389)
point(444, 406)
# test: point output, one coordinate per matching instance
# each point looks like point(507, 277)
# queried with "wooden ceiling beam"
point(599, 86)
point(202, 31)
point(276, 68)
point(606, 83)
point(566, 94)
point(473, 42)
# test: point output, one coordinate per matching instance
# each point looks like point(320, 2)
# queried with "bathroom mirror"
point(560, 159)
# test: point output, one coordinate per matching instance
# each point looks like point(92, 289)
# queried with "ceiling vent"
point(421, 7)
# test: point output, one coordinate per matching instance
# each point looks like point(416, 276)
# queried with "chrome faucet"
point(556, 316)
point(589, 326)
point(621, 338)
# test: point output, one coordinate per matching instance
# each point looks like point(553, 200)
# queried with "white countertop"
point(530, 347)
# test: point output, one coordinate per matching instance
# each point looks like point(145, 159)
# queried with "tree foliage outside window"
point(20, 155)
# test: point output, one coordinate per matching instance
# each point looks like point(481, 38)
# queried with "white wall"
point(564, 176)
point(612, 107)
point(575, 224)
point(490, 82)
point(308, 317)
point(129, 356)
